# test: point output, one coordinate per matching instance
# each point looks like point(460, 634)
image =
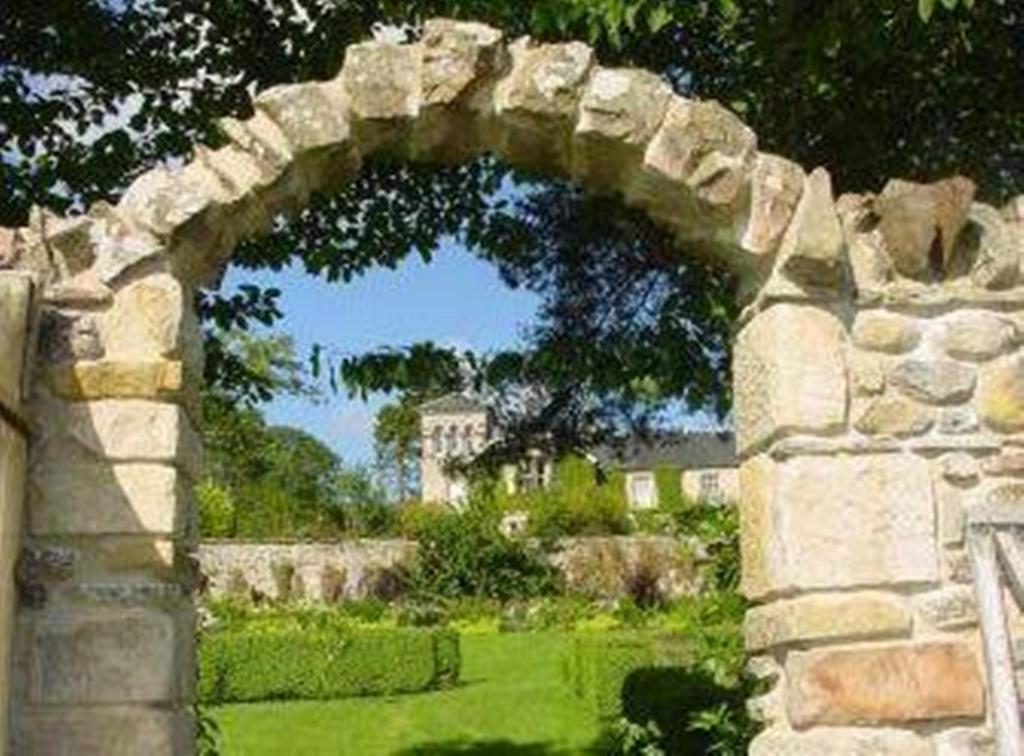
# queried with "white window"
point(710, 489)
point(531, 474)
point(467, 440)
point(641, 490)
point(452, 441)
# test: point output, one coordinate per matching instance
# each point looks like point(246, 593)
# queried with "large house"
point(457, 427)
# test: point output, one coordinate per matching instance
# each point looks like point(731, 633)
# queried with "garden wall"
point(354, 569)
point(15, 296)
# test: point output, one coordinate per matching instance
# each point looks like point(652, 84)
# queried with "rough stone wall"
point(353, 569)
point(845, 494)
point(15, 303)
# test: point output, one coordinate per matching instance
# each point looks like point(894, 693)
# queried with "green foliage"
point(216, 509)
point(269, 660)
point(396, 440)
point(465, 554)
point(631, 739)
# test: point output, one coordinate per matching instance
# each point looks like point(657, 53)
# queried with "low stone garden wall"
point(598, 567)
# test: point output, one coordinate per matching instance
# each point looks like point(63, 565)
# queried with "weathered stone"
point(994, 249)
point(1004, 505)
point(890, 684)
point(458, 57)
point(15, 298)
point(832, 741)
point(961, 469)
point(1000, 400)
point(536, 103)
point(620, 112)
point(950, 608)
point(952, 515)
point(921, 223)
point(867, 374)
point(104, 658)
point(82, 292)
point(124, 430)
point(146, 320)
point(98, 498)
point(895, 416)
point(9, 252)
point(836, 522)
point(956, 566)
point(812, 246)
point(934, 381)
point(382, 80)
point(1008, 463)
point(976, 336)
point(776, 187)
point(958, 420)
point(116, 379)
point(870, 264)
point(107, 730)
point(963, 741)
point(789, 375)
point(882, 331)
point(831, 618)
point(65, 337)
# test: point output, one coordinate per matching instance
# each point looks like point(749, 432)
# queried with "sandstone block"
point(107, 730)
point(789, 375)
point(536, 103)
point(960, 469)
point(118, 244)
point(382, 80)
point(845, 616)
point(934, 381)
point(870, 264)
point(958, 420)
point(620, 112)
point(147, 319)
point(837, 522)
point(965, 741)
point(996, 251)
point(812, 247)
point(776, 187)
point(914, 217)
point(458, 57)
point(121, 379)
point(124, 430)
point(952, 515)
point(834, 741)
point(895, 416)
point(15, 297)
point(98, 498)
point(1003, 505)
point(890, 684)
point(1008, 463)
point(976, 336)
point(867, 374)
point(104, 658)
point(882, 331)
point(67, 337)
point(951, 608)
point(1000, 400)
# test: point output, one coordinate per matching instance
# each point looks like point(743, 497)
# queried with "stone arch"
point(878, 370)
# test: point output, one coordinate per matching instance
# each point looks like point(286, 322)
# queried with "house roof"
point(683, 450)
point(452, 404)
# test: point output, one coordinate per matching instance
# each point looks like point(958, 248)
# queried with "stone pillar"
point(105, 625)
point(869, 436)
point(15, 302)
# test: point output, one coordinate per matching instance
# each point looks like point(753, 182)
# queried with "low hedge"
point(261, 662)
point(606, 670)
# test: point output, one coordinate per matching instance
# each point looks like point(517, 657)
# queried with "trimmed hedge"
point(261, 662)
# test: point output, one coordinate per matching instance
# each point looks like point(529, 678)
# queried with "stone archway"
point(879, 391)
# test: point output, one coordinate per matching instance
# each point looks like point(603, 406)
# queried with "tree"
point(396, 438)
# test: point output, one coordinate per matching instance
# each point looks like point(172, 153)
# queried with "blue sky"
point(456, 299)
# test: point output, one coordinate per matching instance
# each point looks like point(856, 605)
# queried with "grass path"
point(511, 701)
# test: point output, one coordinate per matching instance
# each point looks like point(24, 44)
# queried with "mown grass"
point(512, 700)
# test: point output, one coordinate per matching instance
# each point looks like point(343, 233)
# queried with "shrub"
point(332, 584)
point(216, 510)
point(259, 661)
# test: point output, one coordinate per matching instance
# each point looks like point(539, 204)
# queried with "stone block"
point(994, 247)
point(147, 319)
point(100, 498)
point(116, 379)
point(620, 112)
point(776, 186)
point(837, 522)
point(1000, 399)
point(965, 741)
point(382, 80)
point(950, 608)
point(867, 374)
point(107, 730)
point(826, 618)
point(835, 741)
point(884, 685)
point(1009, 463)
point(934, 381)
point(119, 241)
point(812, 247)
point(122, 430)
point(789, 375)
point(97, 657)
point(976, 336)
point(895, 416)
point(881, 331)
point(1002, 505)
point(15, 299)
point(536, 103)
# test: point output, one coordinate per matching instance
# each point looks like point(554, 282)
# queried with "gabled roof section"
point(452, 404)
point(685, 451)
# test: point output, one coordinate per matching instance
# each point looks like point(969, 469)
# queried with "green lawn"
point(511, 701)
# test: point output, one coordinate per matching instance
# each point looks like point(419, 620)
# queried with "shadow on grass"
point(481, 748)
